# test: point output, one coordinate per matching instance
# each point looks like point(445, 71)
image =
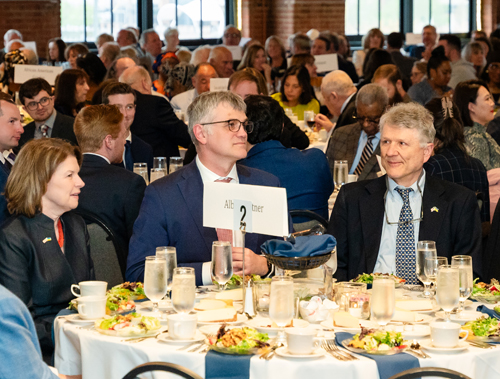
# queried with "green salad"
point(368, 278)
point(484, 327)
point(235, 281)
point(377, 340)
point(238, 340)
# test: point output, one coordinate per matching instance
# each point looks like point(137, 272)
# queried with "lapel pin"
point(435, 209)
point(47, 239)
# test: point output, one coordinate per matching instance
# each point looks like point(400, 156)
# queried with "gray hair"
point(411, 116)
point(471, 47)
point(103, 38)
point(169, 31)
point(9, 33)
point(372, 94)
point(339, 82)
point(144, 36)
point(202, 108)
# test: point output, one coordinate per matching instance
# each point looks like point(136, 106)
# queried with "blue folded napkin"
point(488, 311)
point(304, 246)
point(388, 365)
point(227, 366)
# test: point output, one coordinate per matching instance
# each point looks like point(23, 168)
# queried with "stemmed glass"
point(464, 264)
point(183, 289)
point(431, 267)
point(383, 301)
point(340, 174)
point(222, 263)
point(448, 288)
point(156, 173)
point(281, 306)
point(309, 118)
point(425, 249)
point(155, 279)
point(170, 255)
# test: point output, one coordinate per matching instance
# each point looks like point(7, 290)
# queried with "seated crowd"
point(416, 127)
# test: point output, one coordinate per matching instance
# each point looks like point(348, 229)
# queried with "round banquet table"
point(84, 351)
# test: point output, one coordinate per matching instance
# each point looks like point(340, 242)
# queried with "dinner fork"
point(333, 346)
point(334, 354)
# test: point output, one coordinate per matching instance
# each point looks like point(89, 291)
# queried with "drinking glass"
point(281, 306)
point(222, 263)
point(309, 118)
point(425, 249)
point(383, 300)
point(464, 264)
point(157, 173)
point(175, 164)
point(142, 170)
point(155, 279)
point(448, 288)
point(183, 289)
point(161, 163)
point(431, 267)
point(170, 255)
point(340, 174)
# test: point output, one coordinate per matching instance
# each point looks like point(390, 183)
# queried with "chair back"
point(312, 219)
point(162, 366)
point(420, 372)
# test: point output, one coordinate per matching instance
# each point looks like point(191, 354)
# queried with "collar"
point(346, 102)
point(263, 146)
point(210, 176)
point(129, 137)
point(365, 136)
point(49, 122)
point(477, 127)
point(421, 183)
point(4, 155)
point(98, 155)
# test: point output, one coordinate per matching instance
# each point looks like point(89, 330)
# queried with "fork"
point(325, 347)
point(333, 346)
point(480, 344)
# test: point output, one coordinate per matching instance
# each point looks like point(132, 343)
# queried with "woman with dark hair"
point(296, 92)
point(477, 109)
point(72, 52)
point(491, 75)
point(55, 52)
point(95, 69)
point(436, 83)
point(375, 59)
point(450, 160)
point(71, 91)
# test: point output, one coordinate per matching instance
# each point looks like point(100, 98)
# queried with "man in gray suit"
point(359, 143)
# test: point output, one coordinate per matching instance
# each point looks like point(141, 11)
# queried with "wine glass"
point(464, 264)
point(175, 164)
point(170, 255)
point(161, 163)
point(222, 263)
point(281, 306)
point(448, 288)
point(309, 118)
point(425, 249)
point(142, 170)
point(183, 289)
point(155, 279)
point(339, 174)
point(383, 300)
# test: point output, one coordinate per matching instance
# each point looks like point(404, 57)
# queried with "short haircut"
point(9, 33)
point(35, 164)
point(5, 97)
point(302, 59)
point(103, 38)
point(78, 48)
point(433, 28)
point(471, 48)
point(304, 81)
point(116, 88)
point(93, 66)
point(135, 74)
point(249, 56)
point(465, 93)
point(94, 123)
point(61, 46)
point(232, 26)
point(421, 66)
point(411, 116)
point(449, 129)
point(184, 56)
point(169, 31)
point(371, 94)
point(202, 108)
point(249, 75)
point(339, 82)
point(217, 51)
point(31, 56)
point(333, 38)
point(395, 40)
point(66, 87)
point(326, 40)
point(32, 87)
point(452, 40)
point(267, 116)
point(375, 32)
point(111, 74)
point(131, 36)
point(200, 55)
point(388, 71)
point(144, 36)
point(436, 60)
point(110, 50)
point(302, 41)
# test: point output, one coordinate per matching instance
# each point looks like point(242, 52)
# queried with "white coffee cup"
point(446, 334)
point(91, 307)
point(182, 326)
point(300, 341)
point(90, 288)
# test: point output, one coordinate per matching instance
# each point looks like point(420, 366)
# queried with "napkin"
point(488, 311)
point(304, 246)
point(227, 366)
point(388, 365)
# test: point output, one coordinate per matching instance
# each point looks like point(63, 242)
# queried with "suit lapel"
point(434, 210)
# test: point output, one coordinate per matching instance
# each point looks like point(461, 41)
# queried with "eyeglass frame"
point(421, 205)
point(248, 127)
point(48, 98)
point(362, 120)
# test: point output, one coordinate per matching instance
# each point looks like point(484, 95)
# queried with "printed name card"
point(263, 209)
point(413, 39)
point(235, 51)
point(24, 72)
point(326, 62)
point(218, 84)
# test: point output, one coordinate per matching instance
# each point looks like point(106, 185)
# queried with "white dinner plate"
point(240, 320)
point(465, 316)
point(283, 352)
point(365, 323)
point(77, 320)
point(427, 345)
point(419, 319)
point(261, 325)
point(126, 333)
point(400, 304)
point(163, 305)
point(165, 337)
point(413, 331)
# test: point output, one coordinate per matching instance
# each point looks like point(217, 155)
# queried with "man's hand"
point(322, 122)
point(254, 264)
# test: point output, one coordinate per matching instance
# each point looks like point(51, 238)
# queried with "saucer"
point(427, 345)
point(76, 319)
point(283, 352)
point(165, 337)
point(414, 331)
point(466, 316)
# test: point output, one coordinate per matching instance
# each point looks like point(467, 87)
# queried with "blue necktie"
point(129, 160)
point(405, 241)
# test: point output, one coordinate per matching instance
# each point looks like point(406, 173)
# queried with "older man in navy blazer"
point(172, 211)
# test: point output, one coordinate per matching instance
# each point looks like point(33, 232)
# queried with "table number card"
point(25, 72)
point(235, 51)
point(218, 84)
point(326, 62)
point(264, 209)
point(413, 39)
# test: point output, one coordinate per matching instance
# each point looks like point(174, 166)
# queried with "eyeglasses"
point(234, 35)
point(33, 105)
point(235, 125)
point(362, 120)
point(494, 66)
point(421, 218)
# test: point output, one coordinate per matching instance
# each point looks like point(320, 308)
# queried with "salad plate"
point(263, 325)
point(131, 325)
point(392, 351)
point(240, 319)
point(283, 352)
point(427, 345)
point(76, 319)
point(165, 337)
point(364, 323)
point(238, 341)
point(486, 293)
point(412, 331)
point(485, 329)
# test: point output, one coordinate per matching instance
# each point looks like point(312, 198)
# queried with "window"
point(363, 15)
point(446, 15)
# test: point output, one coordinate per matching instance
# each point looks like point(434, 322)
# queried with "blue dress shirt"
point(363, 139)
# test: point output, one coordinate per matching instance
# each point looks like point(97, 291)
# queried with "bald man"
point(222, 60)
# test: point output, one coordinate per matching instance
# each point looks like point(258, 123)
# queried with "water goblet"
point(448, 288)
point(161, 163)
point(170, 255)
point(183, 289)
point(155, 279)
point(383, 300)
point(175, 164)
point(222, 263)
point(142, 170)
point(464, 264)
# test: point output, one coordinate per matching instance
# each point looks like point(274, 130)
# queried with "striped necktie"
point(224, 234)
point(365, 156)
point(7, 163)
point(405, 241)
point(44, 129)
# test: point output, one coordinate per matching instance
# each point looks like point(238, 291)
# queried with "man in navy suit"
point(172, 211)
point(136, 150)
point(10, 133)
point(36, 96)
point(377, 223)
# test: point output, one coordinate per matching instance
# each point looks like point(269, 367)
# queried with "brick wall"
point(38, 21)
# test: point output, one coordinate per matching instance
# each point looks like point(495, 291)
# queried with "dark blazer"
point(141, 152)
point(4, 174)
point(492, 251)
point(172, 215)
point(304, 174)
point(112, 194)
point(348, 68)
point(405, 64)
point(63, 128)
point(347, 117)
point(33, 267)
point(358, 217)
point(156, 123)
point(345, 146)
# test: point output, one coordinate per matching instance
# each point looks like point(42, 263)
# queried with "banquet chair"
point(420, 372)
point(109, 261)
point(162, 366)
point(314, 219)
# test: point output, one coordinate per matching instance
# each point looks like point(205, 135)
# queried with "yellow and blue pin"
point(435, 209)
point(47, 239)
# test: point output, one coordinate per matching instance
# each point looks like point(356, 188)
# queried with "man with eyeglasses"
point(172, 210)
point(359, 143)
point(377, 223)
point(36, 97)
point(232, 36)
